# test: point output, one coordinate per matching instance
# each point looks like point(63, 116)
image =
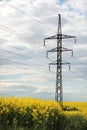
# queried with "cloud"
point(23, 63)
point(74, 94)
point(78, 6)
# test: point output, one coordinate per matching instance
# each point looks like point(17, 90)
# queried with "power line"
point(14, 53)
point(13, 61)
point(33, 52)
point(76, 74)
point(24, 64)
point(29, 16)
point(20, 35)
point(39, 55)
point(32, 19)
point(44, 57)
point(73, 57)
point(75, 60)
point(7, 51)
point(80, 76)
point(7, 29)
point(34, 61)
point(72, 71)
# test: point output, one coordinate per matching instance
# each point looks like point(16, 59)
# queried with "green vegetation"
point(34, 114)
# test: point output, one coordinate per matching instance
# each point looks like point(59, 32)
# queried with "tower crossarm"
point(57, 63)
point(51, 37)
point(68, 36)
point(56, 49)
point(48, 38)
point(65, 49)
point(53, 63)
point(66, 64)
point(52, 50)
point(59, 36)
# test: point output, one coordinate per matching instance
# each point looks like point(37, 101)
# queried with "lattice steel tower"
point(59, 49)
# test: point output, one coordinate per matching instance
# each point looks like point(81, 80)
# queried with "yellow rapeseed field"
point(42, 114)
point(80, 106)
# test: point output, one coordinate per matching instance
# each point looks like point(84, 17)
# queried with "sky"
point(24, 67)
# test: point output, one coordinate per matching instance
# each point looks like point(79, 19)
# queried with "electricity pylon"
point(59, 49)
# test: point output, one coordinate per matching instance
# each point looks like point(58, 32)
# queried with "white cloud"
point(23, 26)
point(80, 5)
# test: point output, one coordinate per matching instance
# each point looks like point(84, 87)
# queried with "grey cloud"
point(40, 21)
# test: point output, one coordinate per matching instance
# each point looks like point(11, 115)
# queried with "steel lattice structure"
point(59, 49)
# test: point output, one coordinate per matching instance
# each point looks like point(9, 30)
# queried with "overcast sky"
point(24, 68)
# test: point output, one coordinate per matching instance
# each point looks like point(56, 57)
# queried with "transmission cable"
point(78, 75)
point(20, 55)
point(14, 53)
point(7, 29)
point(29, 16)
point(21, 63)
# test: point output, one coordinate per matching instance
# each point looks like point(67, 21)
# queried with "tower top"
point(59, 24)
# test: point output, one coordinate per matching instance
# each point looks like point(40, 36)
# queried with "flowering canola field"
point(32, 114)
point(80, 106)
